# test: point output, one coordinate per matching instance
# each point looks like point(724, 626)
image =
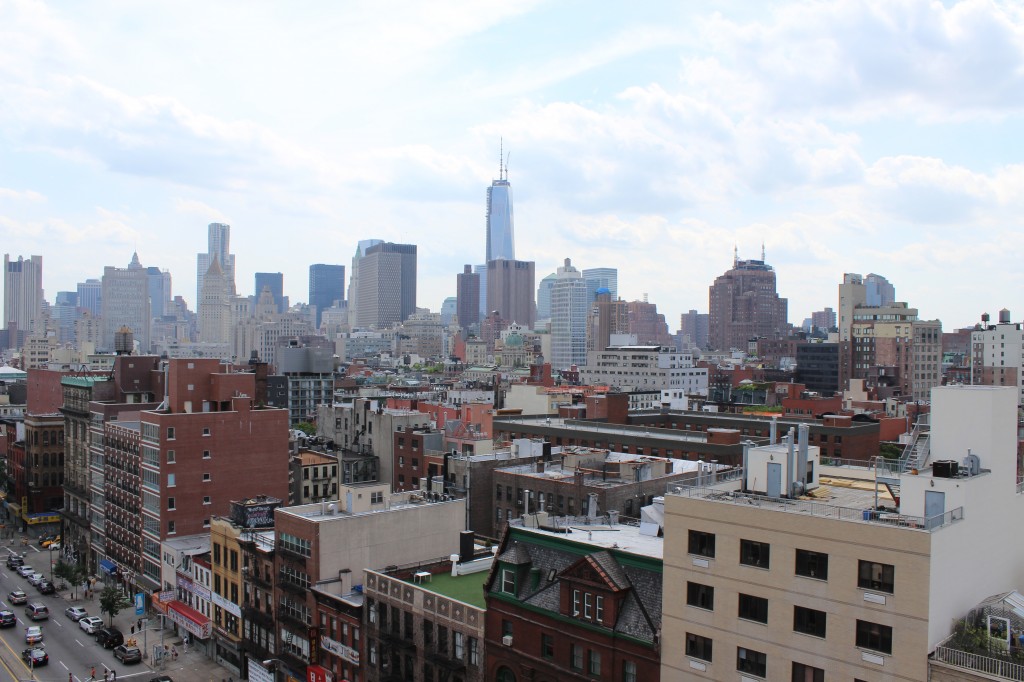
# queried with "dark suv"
point(108, 638)
point(13, 561)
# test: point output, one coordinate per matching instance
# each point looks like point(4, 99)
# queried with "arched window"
point(505, 675)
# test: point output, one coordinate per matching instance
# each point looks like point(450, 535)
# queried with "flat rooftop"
point(322, 513)
point(592, 428)
point(600, 534)
point(465, 588)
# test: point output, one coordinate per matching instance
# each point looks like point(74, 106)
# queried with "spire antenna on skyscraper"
point(762, 252)
point(501, 157)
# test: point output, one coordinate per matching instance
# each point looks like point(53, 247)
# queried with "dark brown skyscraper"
point(510, 289)
point(467, 291)
point(744, 305)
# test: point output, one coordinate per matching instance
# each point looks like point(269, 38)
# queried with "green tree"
point(112, 602)
point(64, 572)
point(306, 428)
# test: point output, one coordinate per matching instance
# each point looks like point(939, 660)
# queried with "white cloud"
point(21, 195)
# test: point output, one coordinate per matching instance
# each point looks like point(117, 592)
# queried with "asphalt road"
point(73, 653)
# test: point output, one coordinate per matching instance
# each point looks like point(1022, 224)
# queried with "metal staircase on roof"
point(914, 456)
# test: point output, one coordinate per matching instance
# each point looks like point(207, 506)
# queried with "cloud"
point(196, 207)
point(872, 59)
point(21, 195)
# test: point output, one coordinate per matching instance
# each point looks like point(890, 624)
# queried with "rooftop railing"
point(979, 663)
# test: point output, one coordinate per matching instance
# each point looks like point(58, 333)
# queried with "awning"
point(108, 566)
point(190, 619)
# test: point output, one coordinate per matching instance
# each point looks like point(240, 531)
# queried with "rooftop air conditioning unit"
point(507, 640)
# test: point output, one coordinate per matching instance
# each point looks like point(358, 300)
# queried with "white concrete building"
point(644, 368)
point(997, 355)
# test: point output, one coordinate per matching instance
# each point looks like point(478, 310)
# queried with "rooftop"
point(591, 427)
point(322, 513)
point(465, 588)
point(852, 503)
point(598, 532)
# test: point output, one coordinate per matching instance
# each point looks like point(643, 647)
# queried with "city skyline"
point(650, 140)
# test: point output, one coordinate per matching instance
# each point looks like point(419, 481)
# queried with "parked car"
point(108, 638)
point(161, 678)
point(8, 619)
point(128, 654)
point(37, 611)
point(35, 578)
point(33, 634)
point(75, 613)
point(24, 571)
point(91, 624)
point(17, 597)
point(46, 587)
point(35, 656)
point(14, 560)
point(54, 546)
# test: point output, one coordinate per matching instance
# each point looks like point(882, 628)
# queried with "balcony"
point(264, 618)
point(290, 618)
point(293, 587)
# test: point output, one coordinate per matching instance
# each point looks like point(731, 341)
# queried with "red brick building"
point(574, 606)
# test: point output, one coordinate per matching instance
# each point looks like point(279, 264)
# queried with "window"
point(506, 628)
point(808, 621)
point(508, 581)
point(460, 643)
point(170, 480)
point(874, 636)
point(753, 608)
point(206, 454)
point(170, 504)
point(170, 433)
point(754, 553)
point(806, 673)
point(170, 527)
point(750, 661)
point(206, 430)
point(206, 478)
point(812, 564)
point(628, 671)
point(474, 651)
point(576, 657)
point(599, 608)
point(206, 499)
point(547, 646)
point(702, 544)
point(594, 663)
point(376, 497)
point(206, 523)
point(701, 596)
point(872, 575)
point(698, 647)
point(498, 495)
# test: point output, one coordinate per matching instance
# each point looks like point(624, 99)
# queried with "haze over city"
point(844, 136)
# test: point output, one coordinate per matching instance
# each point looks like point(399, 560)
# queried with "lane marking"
point(79, 643)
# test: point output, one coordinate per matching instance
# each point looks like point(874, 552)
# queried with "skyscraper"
point(879, 291)
point(326, 285)
point(89, 294)
point(386, 290)
point(275, 282)
point(744, 304)
point(353, 282)
point(694, 326)
point(568, 318)
point(544, 297)
point(219, 246)
point(467, 291)
point(607, 316)
point(214, 306)
point(602, 278)
point(510, 290)
point(500, 237)
point(23, 294)
point(125, 303)
point(159, 291)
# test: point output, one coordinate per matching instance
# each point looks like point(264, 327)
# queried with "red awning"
point(190, 619)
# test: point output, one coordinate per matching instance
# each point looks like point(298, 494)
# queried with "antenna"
point(735, 254)
point(506, 164)
point(501, 156)
point(762, 251)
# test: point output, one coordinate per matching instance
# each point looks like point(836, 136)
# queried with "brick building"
point(583, 604)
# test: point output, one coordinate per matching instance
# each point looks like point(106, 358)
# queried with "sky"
point(845, 136)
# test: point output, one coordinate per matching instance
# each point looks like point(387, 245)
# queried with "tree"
point(112, 602)
point(306, 428)
point(64, 572)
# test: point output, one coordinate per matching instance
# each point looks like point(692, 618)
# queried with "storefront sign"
point(318, 673)
point(225, 604)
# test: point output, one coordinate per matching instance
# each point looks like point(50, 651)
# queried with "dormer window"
point(508, 581)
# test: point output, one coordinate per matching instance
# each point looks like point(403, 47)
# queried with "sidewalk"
point(193, 666)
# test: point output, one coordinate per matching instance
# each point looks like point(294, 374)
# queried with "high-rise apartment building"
point(859, 292)
point(275, 282)
point(23, 294)
point(125, 303)
point(601, 278)
point(744, 304)
point(997, 354)
point(326, 287)
point(823, 319)
point(544, 297)
point(607, 316)
point(467, 290)
point(510, 287)
point(386, 289)
point(219, 247)
point(568, 318)
point(693, 326)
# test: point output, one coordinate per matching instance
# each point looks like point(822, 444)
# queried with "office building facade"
point(219, 247)
point(125, 303)
point(744, 305)
point(510, 287)
point(568, 318)
point(386, 290)
point(274, 281)
point(23, 294)
point(326, 287)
